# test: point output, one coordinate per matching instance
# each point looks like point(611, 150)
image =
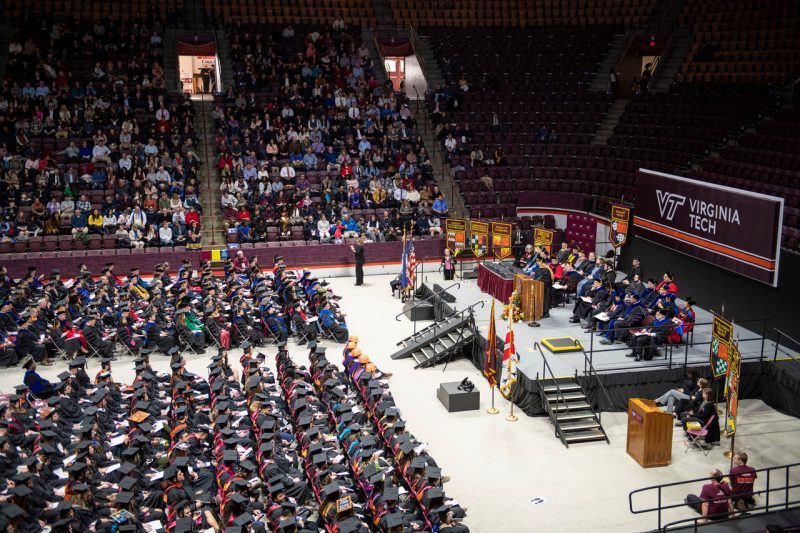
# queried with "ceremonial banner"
point(490, 361)
point(508, 372)
point(408, 265)
point(731, 228)
point(544, 238)
point(721, 337)
point(501, 239)
point(456, 230)
point(618, 232)
point(732, 387)
point(479, 238)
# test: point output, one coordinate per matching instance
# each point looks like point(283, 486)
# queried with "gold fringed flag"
point(508, 373)
point(490, 367)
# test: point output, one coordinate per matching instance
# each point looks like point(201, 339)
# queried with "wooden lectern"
point(531, 293)
point(649, 433)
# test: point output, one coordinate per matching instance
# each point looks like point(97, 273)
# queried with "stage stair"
point(569, 410)
point(439, 341)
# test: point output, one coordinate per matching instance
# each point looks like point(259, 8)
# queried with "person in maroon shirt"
point(714, 502)
point(742, 478)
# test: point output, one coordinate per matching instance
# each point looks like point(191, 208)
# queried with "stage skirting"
point(494, 284)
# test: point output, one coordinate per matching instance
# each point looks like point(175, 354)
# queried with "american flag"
point(409, 274)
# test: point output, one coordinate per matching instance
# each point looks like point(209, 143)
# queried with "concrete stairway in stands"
point(441, 169)
point(601, 81)
point(224, 57)
point(383, 13)
point(606, 128)
point(378, 68)
point(670, 63)
point(5, 39)
point(213, 232)
point(171, 75)
point(424, 50)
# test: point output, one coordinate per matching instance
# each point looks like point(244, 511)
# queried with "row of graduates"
point(104, 457)
point(643, 321)
point(424, 504)
point(289, 303)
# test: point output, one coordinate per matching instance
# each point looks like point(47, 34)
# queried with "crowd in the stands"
point(91, 143)
point(312, 146)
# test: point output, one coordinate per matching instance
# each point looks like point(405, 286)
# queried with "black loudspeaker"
point(423, 311)
point(444, 295)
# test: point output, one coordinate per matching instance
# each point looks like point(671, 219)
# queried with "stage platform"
point(621, 375)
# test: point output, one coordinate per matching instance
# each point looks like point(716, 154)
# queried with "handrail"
point(659, 508)
point(456, 284)
point(629, 36)
point(791, 357)
point(413, 38)
point(560, 396)
point(592, 372)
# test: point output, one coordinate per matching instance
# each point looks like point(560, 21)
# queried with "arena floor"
point(512, 475)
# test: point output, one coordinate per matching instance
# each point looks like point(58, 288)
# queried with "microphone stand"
point(533, 323)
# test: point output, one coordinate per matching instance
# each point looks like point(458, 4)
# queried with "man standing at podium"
point(545, 275)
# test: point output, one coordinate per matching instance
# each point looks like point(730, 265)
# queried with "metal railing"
point(626, 43)
point(782, 335)
point(590, 372)
point(783, 474)
point(415, 46)
point(547, 371)
point(670, 348)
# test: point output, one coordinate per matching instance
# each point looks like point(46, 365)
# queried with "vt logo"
point(668, 202)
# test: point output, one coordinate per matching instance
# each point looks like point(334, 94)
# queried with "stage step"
point(449, 328)
point(570, 411)
point(588, 435)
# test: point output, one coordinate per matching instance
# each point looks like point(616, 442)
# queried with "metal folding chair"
point(693, 437)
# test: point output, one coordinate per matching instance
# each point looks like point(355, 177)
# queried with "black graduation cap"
point(142, 405)
point(237, 498)
point(304, 420)
point(418, 462)
point(253, 382)
point(390, 494)
point(222, 419)
point(124, 498)
point(319, 459)
point(266, 447)
point(433, 472)
point(80, 487)
point(21, 389)
point(126, 468)
point(248, 465)
point(230, 456)
point(77, 467)
point(180, 462)
point(176, 365)
point(12, 511)
point(183, 525)
point(275, 488)
point(127, 483)
point(434, 493)
point(243, 519)
point(170, 472)
point(393, 520)
point(21, 490)
point(290, 524)
point(245, 345)
point(400, 424)
point(351, 525)
point(330, 489)
point(130, 452)
point(407, 447)
point(78, 361)
point(64, 376)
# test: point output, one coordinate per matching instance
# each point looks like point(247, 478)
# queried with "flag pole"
point(493, 410)
point(511, 416)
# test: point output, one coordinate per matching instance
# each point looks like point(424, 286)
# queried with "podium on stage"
point(531, 293)
point(649, 433)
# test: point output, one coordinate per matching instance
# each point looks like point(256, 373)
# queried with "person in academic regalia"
point(8, 355)
point(36, 383)
point(28, 342)
point(328, 322)
point(94, 336)
point(598, 295)
point(545, 275)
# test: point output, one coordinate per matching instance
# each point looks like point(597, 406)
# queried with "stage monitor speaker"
point(443, 294)
point(456, 400)
point(423, 311)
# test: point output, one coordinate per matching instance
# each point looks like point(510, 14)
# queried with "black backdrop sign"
point(735, 229)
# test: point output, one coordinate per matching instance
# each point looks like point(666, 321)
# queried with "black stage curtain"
point(441, 309)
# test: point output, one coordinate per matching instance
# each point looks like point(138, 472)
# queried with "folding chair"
point(693, 437)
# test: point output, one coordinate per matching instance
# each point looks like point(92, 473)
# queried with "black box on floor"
point(455, 400)
point(423, 311)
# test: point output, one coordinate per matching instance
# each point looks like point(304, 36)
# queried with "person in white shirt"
point(100, 153)
point(110, 223)
point(162, 114)
point(135, 237)
point(179, 216)
point(324, 229)
point(228, 200)
point(354, 113)
point(287, 172)
point(67, 207)
point(165, 234)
